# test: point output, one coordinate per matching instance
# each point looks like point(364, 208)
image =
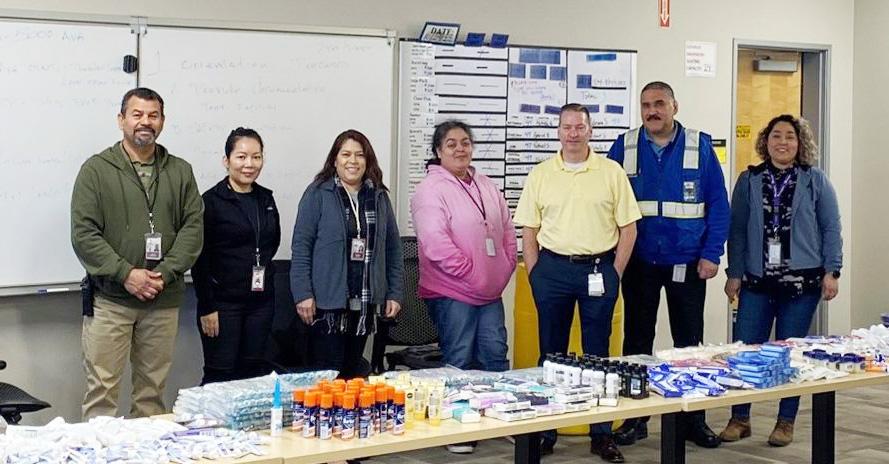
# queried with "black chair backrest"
point(415, 326)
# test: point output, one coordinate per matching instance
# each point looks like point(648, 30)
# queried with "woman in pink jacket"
point(467, 252)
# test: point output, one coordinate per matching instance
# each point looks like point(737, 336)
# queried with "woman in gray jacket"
point(346, 267)
point(784, 251)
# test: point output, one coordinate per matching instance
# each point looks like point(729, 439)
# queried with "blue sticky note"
point(474, 39)
point(499, 40)
point(584, 81)
point(614, 109)
point(525, 108)
point(550, 109)
point(551, 56)
point(529, 55)
point(601, 57)
point(516, 70)
point(538, 71)
point(592, 108)
point(558, 73)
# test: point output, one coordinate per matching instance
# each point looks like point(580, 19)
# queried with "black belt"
point(580, 258)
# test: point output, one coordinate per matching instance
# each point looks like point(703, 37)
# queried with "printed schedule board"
point(510, 97)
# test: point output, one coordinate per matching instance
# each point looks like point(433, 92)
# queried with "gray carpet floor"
point(862, 437)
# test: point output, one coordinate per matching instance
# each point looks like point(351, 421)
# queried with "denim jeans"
point(557, 285)
point(470, 337)
point(792, 317)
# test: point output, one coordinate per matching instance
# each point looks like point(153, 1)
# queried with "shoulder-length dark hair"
point(372, 166)
point(807, 151)
point(438, 137)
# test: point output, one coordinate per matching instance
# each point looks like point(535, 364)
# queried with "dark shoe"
point(703, 436)
point(736, 430)
point(630, 431)
point(782, 435)
point(606, 449)
point(546, 446)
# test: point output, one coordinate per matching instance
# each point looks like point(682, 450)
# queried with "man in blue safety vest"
point(680, 188)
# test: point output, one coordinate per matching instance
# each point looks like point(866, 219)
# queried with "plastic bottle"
point(325, 417)
point(337, 413)
point(399, 416)
point(586, 375)
point(298, 409)
point(408, 407)
point(635, 389)
point(277, 423)
point(310, 419)
point(365, 415)
point(435, 406)
point(548, 369)
point(575, 371)
point(598, 379)
point(612, 383)
point(381, 410)
point(349, 415)
point(420, 403)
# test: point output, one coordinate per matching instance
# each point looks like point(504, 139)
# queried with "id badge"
point(774, 252)
point(679, 273)
point(689, 191)
point(358, 249)
point(489, 246)
point(257, 282)
point(153, 249)
point(595, 284)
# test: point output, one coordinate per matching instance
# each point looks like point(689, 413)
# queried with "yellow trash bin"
point(527, 348)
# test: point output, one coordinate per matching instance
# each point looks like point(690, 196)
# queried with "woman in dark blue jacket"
point(233, 277)
point(785, 251)
point(347, 266)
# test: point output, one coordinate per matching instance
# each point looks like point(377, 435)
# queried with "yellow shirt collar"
point(592, 162)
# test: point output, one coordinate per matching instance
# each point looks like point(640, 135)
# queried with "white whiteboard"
point(299, 91)
point(60, 90)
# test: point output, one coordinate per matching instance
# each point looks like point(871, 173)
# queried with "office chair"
point(14, 401)
point(413, 327)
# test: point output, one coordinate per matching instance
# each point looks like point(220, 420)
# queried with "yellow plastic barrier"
point(527, 349)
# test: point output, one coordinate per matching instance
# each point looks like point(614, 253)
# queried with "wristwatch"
point(835, 274)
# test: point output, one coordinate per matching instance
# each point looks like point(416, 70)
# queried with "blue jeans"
point(557, 285)
point(792, 317)
point(470, 337)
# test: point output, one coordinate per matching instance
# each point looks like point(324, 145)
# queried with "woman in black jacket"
point(233, 277)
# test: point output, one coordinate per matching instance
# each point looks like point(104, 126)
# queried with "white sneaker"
point(462, 448)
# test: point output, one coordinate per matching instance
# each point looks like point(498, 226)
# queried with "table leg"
point(527, 448)
point(672, 445)
point(823, 424)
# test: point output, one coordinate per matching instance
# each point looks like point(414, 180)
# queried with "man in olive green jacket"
point(137, 227)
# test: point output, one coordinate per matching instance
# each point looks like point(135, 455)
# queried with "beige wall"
point(871, 211)
point(632, 24)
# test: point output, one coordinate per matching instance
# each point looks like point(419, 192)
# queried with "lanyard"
point(258, 230)
point(354, 205)
point(149, 201)
point(479, 205)
point(776, 199)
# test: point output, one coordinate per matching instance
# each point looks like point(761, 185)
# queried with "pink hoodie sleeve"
point(433, 232)
point(509, 241)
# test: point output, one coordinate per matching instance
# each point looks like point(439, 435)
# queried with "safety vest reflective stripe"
point(690, 155)
point(648, 208)
point(631, 140)
point(682, 210)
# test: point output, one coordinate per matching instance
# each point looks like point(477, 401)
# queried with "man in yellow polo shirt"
point(578, 215)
